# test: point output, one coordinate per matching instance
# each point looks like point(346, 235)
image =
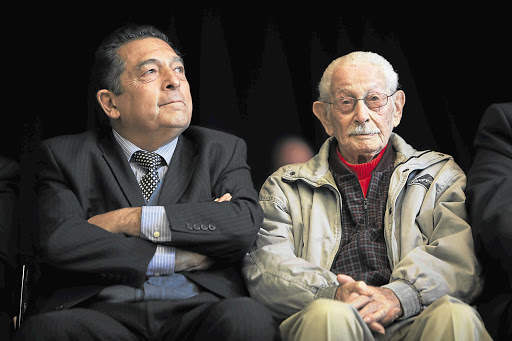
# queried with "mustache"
point(363, 129)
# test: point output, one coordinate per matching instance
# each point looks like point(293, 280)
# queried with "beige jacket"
point(429, 242)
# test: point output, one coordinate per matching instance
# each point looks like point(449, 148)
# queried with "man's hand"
point(191, 261)
point(225, 197)
point(382, 310)
point(124, 220)
point(378, 306)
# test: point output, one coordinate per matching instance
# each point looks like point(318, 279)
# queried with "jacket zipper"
point(365, 206)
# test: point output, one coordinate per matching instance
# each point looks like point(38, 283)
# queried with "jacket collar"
point(340, 168)
point(120, 168)
point(316, 171)
point(181, 169)
point(176, 178)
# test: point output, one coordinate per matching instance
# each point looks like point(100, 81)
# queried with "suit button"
point(190, 226)
point(204, 227)
point(197, 227)
point(211, 227)
point(59, 307)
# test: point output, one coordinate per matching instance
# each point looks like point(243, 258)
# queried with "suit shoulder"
point(505, 107)
point(73, 143)
point(207, 135)
point(90, 135)
point(498, 114)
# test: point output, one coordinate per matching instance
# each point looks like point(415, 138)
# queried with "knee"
point(324, 308)
point(458, 316)
point(450, 316)
point(241, 308)
point(239, 319)
point(321, 318)
point(41, 327)
point(450, 307)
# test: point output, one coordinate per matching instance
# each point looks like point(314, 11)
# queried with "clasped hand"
point(128, 220)
point(377, 306)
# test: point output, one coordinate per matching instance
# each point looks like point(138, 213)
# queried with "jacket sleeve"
point(225, 230)
point(275, 274)
point(490, 192)
point(437, 255)
point(66, 241)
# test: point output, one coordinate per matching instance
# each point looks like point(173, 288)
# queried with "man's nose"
point(171, 80)
point(361, 112)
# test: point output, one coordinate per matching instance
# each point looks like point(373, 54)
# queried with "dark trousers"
point(497, 316)
point(203, 317)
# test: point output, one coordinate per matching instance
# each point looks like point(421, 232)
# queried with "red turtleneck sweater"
point(363, 170)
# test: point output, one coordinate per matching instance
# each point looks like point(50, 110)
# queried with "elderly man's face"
point(155, 105)
point(374, 126)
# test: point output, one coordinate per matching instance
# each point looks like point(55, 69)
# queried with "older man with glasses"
point(369, 239)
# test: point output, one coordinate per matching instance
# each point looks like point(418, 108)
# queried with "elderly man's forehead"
point(356, 77)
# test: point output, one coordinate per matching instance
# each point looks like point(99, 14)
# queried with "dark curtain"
point(253, 68)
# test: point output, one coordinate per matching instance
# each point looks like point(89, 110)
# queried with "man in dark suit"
point(9, 174)
point(489, 201)
point(142, 226)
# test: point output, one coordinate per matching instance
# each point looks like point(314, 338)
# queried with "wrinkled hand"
point(378, 307)
point(382, 310)
point(124, 220)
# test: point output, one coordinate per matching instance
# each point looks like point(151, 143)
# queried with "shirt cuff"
point(155, 225)
point(408, 296)
point(163, 262)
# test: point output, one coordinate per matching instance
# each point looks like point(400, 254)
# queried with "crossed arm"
point(128, 221)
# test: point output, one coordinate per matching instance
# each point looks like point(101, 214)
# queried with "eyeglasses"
point(373, 100)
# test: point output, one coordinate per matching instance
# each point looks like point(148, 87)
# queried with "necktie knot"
point(147, 160)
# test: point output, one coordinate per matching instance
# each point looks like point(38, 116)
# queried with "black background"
point(253, 68)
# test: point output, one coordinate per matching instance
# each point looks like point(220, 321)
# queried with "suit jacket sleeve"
point(226, 230)
point(489, 190)
point(67, 242)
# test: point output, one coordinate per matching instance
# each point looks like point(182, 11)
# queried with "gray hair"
point(109, 65)
point(358, 57)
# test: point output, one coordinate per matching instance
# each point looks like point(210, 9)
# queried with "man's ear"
point(106, 100)
point(322, 113)
point(399, 107)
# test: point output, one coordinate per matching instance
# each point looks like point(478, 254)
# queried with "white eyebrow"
point(371, 88)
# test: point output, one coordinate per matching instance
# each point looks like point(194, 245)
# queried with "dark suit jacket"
point(489, 192)
point(9, 174)
point(489, 202)
point(83, 175)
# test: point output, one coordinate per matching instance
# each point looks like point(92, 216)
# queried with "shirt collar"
point(128, 148)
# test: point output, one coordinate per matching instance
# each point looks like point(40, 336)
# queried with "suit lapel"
point(180, 171)
point(121, 170)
